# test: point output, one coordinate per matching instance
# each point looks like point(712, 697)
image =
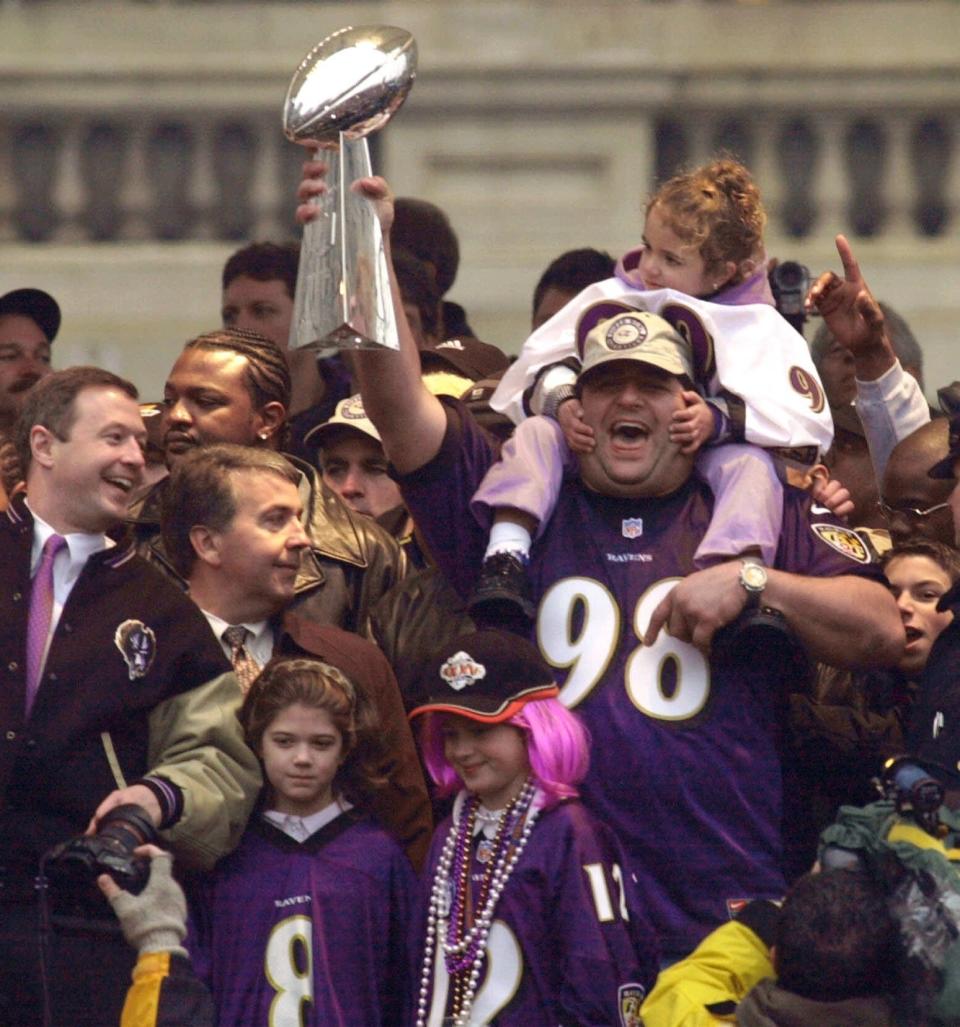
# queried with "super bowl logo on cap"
point(626, 332)
point(353, 408)
point(138, 646)
point(462, 670)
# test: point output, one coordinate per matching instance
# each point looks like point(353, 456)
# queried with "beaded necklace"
point(464, 948)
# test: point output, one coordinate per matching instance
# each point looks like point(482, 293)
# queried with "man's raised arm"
point(411, 420)
point(889, 400)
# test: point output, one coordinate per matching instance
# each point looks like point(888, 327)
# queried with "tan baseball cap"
point(349, 413)
point(610, 330)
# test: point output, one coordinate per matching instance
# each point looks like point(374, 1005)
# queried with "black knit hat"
point(485, 675)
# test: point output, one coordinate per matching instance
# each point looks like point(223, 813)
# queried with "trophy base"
point(347, 337)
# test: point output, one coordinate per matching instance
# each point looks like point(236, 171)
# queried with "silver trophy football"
point(349, 85)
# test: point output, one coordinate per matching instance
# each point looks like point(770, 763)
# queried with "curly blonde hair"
point(716, 208)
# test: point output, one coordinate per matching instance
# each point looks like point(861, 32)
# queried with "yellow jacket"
point(704, 988)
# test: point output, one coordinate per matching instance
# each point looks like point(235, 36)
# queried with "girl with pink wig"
point(528, 912)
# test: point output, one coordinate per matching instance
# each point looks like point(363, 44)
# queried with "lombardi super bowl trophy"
point(349, 85)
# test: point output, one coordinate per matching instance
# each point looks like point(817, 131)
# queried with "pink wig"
point(557, 747)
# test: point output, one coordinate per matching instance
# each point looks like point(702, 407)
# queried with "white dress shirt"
point(67, 564)
point(301, 828)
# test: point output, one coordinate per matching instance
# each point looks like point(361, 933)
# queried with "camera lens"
point(129, 826)
point(790, 275)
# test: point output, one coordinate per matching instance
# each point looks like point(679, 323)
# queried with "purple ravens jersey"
point(569, 943)
point(684, 758)
point(311, 933)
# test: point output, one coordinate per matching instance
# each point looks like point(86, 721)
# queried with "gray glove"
point(154, 920)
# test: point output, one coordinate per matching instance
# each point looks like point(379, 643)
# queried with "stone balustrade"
point(140, 143)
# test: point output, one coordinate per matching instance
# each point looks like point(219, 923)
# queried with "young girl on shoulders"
point(701, 267)
point(527, 913)
point(306, 922)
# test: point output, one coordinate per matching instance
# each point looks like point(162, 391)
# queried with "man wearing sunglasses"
point(914, 504)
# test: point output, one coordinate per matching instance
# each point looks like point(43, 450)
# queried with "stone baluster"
point(35, 165)
point(866, 149)
point(936, 174)
point(798, 151)
point(102, 166)
point(170, 152)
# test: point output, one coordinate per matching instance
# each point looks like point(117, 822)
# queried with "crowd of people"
point(607, 685)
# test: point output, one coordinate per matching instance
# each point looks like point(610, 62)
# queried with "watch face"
point(753, 576)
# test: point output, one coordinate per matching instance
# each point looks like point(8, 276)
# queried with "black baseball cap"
point(488, 676)
point(467, 356)
point(36, 304)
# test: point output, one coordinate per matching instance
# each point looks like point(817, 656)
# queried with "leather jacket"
point(412, 622)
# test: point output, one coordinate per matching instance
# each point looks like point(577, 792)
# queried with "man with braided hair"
point(258, 284)
point(234, 386)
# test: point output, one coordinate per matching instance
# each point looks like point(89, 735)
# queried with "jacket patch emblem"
point(138, 646)
point(462, 670)
point(629, 1001)
point(844, 540)
point(631, 527)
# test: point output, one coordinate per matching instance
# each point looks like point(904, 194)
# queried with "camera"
point(71, 868)
point(789, 282)
point(909, 785)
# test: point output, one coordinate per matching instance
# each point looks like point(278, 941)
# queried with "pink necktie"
point(41, 609)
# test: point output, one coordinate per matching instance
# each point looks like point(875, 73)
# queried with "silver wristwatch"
point(753, 578)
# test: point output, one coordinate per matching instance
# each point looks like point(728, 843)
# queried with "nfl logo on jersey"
point(632, 527)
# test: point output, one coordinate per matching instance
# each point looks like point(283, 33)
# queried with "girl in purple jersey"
point(703, 239)
point(306, 922)
point(526, 917)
